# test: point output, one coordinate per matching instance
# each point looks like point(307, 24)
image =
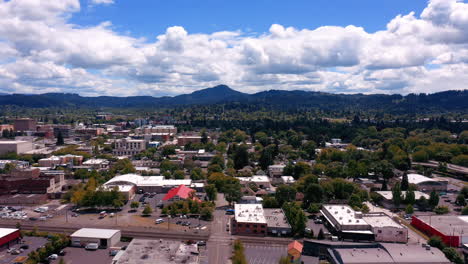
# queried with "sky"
point(156, 47)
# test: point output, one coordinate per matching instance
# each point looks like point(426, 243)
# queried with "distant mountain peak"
point(217, 90)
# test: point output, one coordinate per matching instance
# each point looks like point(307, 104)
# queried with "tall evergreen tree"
point(396, 193)
point(404, 182)
point(60, 140)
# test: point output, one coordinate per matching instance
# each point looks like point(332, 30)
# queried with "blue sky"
point(155, 47)
point(152, 17)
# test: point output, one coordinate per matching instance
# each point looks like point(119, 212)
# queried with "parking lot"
point(264, 254)
point(32, 243)
point(81, 255)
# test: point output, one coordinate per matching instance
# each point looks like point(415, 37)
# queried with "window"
point(380, 231)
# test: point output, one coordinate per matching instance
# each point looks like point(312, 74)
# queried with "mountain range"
point(222, 94)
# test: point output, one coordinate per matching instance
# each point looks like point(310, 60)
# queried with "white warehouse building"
point(103, 237)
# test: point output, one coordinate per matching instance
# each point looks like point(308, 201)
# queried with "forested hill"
point(421, 103)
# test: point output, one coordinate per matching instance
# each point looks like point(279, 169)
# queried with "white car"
point(53, 256)
point(92, 246)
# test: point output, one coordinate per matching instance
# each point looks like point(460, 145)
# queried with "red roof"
point(182, 191)
point(295, 245)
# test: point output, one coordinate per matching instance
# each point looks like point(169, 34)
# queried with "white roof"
point(139, 180)
point(95, 233)
point(255, 178)
point(95, 161)
point(380, 220)
point(122, 188)
point(418, 178)
point(249, 213)
point(344, 214)
point(6, 231)
point(388, 195)
point(12, 141)
point(288, 179)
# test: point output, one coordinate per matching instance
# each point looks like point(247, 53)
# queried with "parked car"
point(53, 256)
point(24, 246)
point(159, 221)
point(62, 253)
point(201, 243)
point(92, 246)
point(113, 252)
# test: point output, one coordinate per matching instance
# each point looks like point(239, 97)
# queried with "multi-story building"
point(276, 171)
point(25, 124)
point(184, 140)
point(30, 181)
point(6, 127)
point(16, 146)
point(128, 147)
point(65, 130)
point(249, 219)
point(169, 129)
point(97, 164)
point(277, 223)
point(53, 161)
point(346, 223)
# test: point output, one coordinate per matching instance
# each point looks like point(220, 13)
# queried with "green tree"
point(296, 217)
point(410, 197)
point(441, 209)
point(461, 201)
point(313, 208)
point(452, 255)
point(211, 192)
point(241, 157)
point(134, 205)
point(404, 182)
point(436, 241)
point(355, 201)
point(285, 193)
point(148, 210)
point(238, 256)
point(284, 260)
point(206, 213)
point(396, 193)
point(464, 210)
point(313, 194)
point(309, 148)
point(409, 209)
point(232, 192)
point(204, 137)
point(433, 199)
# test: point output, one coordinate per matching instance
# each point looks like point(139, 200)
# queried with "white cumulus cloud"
point(42, 51)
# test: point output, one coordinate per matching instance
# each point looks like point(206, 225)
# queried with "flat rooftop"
point(275, 218)
point(7, 231)
point(388, 195)
point(146, 251)
point(95, 233)
point(380, 220)
point(249, 213)
point(343, 214)
point(448, 224)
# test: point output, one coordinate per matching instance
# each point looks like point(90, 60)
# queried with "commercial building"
point(8, 236)
point(103, 237)
point(30, 181)
point(184, 140)
point(146, 251)
point(169, 129)
point(387, 198)
point(16, 146)
point(18, 164)
point(373, 253)
point(427, 184)
point(276, 171)
point(25, 124)
point(128, 147)
point(179, 193)
point(277, 223)
point(89, 132)
point(261, 181)
point(349, 224)
point(249, 219)
point(97, 164)
point(54, 161)
point(6, 127)
point(453, 229)
point(152, 183)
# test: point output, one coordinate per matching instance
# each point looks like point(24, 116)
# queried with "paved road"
point(220, 242)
